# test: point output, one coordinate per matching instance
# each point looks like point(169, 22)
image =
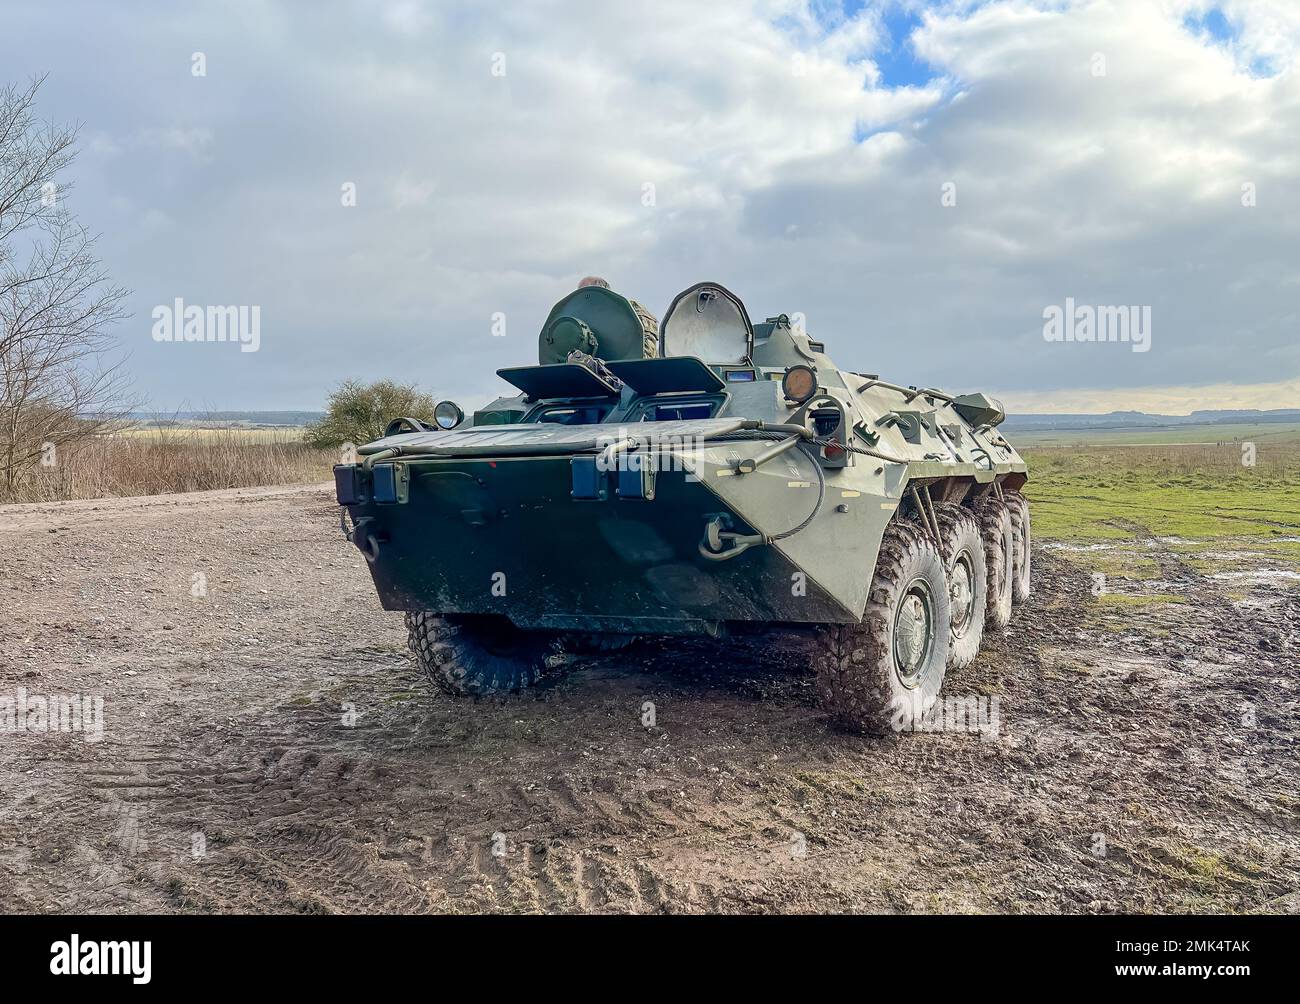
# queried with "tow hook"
point(367, 543)
point(720, 542)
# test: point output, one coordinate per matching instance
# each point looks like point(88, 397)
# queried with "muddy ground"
point(268, 746)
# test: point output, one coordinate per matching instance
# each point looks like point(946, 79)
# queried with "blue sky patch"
point(1215, 24)
point(898, 62)
point(896, 59)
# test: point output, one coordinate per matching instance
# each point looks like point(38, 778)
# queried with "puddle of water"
point(1261, 575)
point(1057, 545)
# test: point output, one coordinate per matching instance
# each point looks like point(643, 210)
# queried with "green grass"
point(1211, 434)
point(1095, 493)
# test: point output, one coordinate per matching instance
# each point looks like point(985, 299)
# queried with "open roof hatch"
point(710, 323)
point(557, 380)
point(667, 376)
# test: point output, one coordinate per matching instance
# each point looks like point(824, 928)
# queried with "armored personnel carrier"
point(705, 476)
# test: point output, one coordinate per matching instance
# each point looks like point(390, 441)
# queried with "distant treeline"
point(1141, 420)
point(249, 417)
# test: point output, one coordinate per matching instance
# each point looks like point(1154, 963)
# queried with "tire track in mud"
point(314, 807)
point(740, 799)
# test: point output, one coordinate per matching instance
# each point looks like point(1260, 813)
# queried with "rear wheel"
point(999, 561)
point(477, 655)
point(963, 553)
point(879, 674)
point(1019, 506)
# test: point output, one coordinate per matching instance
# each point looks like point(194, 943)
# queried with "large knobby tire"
point(885, 671)
point(999, 561)
point(1020, 532)
point(963, 554)
point(479, 655)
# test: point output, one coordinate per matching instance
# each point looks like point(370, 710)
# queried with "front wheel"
point(881, 674)
point(479, 655)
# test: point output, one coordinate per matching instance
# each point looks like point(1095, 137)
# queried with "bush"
point(358, 412)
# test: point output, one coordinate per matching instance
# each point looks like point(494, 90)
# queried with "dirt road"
point(267, 746)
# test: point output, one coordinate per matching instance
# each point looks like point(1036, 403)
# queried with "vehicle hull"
point(505, 536)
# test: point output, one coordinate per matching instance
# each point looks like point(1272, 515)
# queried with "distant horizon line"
point(215, 412)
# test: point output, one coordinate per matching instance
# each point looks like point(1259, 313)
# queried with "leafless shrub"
point(154, 461)
point(59, 381)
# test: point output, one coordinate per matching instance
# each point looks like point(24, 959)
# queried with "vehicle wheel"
point(479, 655)
point(999, 561)
point(1019, 506)
point(880, 674)
point(963, 555)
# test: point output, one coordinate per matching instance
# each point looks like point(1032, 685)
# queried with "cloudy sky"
point(921, 180)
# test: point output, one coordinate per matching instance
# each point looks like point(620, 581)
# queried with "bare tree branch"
point(59, 378)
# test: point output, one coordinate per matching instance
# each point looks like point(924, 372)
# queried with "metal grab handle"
point(374, 458)
point(739, 543)
point(718, 544)
point(751, 464)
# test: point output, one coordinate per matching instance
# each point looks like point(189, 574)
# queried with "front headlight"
point(799, 384)
point(448, 414)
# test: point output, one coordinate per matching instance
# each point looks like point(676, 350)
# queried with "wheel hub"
point(961, 593)
point(913, 632)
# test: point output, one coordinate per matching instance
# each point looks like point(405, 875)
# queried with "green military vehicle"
point(706, 476)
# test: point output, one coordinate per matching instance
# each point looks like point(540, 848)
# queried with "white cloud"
point(809, 183)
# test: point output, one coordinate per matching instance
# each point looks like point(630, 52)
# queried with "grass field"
point(1131, 513)
point(1201, 435)
point(1097, 493)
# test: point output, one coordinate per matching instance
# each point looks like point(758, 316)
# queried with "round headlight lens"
point(448, 414)
point(799, 384)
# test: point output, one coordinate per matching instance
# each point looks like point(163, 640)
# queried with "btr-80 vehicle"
point(708, 476)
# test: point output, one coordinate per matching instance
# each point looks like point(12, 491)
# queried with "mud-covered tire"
point(475, 656)
point(858, 675)
point(995, 527)
point(1021, 545)
point(964, 561)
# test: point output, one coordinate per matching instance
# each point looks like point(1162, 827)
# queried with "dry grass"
point(242, 434)
point(151, 462)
